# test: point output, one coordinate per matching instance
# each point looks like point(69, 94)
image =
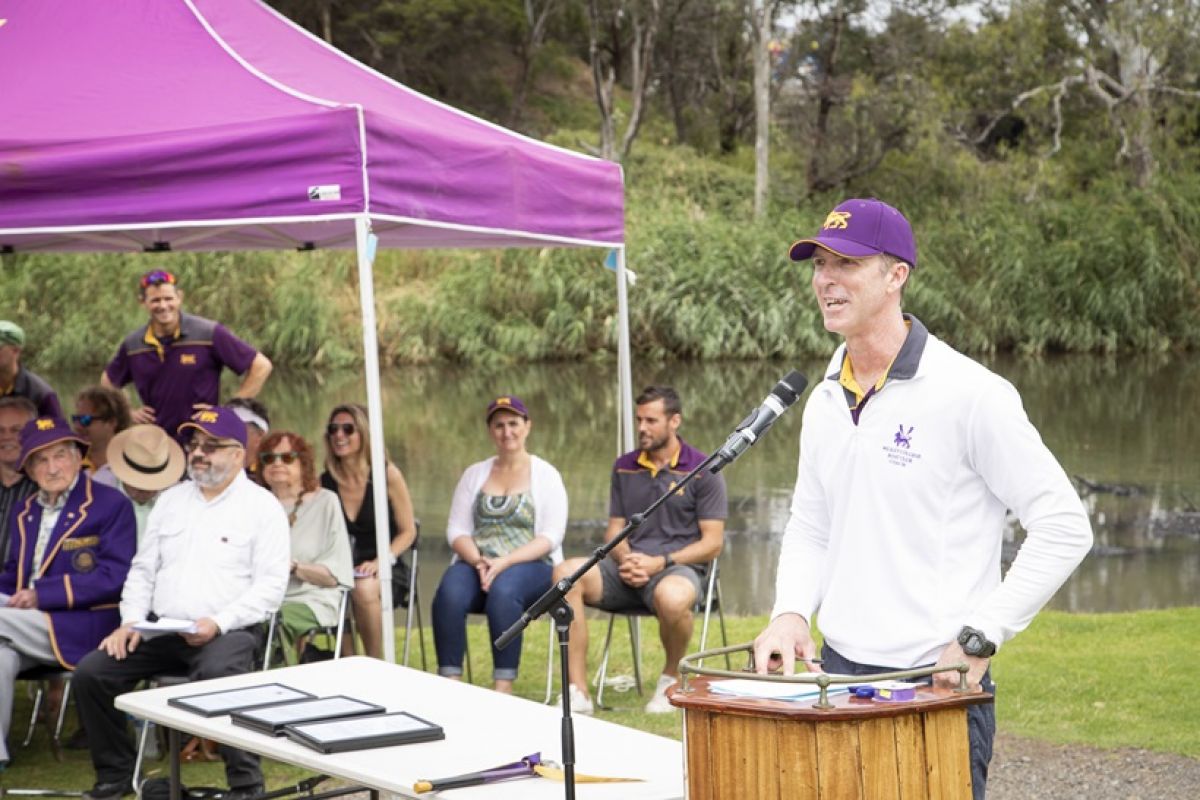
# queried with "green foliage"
point(1112, 270)
point(1051, 686)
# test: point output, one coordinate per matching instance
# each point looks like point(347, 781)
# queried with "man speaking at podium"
point(910, 456)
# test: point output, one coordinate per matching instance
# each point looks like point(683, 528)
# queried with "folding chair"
point(412, 603)
point(711, 600)
point(549, 658)
point(41, 674)
point(177, 679)
point(334, 632)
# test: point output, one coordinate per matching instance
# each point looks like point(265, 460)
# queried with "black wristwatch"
point(975, 642)
point(668, 562)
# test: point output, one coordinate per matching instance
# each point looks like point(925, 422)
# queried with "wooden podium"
point(856, 750)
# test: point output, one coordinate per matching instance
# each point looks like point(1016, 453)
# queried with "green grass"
point(1106, 680)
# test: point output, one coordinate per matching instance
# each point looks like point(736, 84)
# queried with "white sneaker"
point(580, 703)
point(659, 704)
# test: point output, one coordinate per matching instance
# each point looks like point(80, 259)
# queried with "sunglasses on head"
point(208, 448)
point(85, 420)
point(347, 428)
point(270, 458)
point(157, 278)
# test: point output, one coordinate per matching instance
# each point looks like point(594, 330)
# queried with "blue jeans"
point(459, 594)
point(981, 718)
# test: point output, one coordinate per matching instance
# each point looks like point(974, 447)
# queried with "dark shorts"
point(619, 596)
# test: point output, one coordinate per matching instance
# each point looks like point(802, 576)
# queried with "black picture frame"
point(364, 733)
point(272, 719)
point(226, 701)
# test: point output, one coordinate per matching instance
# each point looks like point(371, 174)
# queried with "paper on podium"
point(164, 625)
point(772, 690)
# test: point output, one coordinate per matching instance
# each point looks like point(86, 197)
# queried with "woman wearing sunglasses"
point(348, 474)
point(320, 546)
point(506, 526)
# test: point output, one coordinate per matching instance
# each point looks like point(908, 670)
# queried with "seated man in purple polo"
point(661, 565)
point(216, 551)
point(175, 360)
point(72, 543)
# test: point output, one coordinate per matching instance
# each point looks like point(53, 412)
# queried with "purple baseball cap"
point(219, 422)
point(43, 432)
point(506, 402)
point(860, 228)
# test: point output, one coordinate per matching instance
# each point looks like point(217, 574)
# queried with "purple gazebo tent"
point(163, 125)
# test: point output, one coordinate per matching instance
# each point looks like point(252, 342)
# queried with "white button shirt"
point(226, 558)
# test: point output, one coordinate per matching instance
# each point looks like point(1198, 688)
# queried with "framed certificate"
point(363, 733)
point(214, 704)
point(272, 719)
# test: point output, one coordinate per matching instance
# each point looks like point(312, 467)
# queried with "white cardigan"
point(549, 502)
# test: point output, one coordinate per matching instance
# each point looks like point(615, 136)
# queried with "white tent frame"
point(120, 237)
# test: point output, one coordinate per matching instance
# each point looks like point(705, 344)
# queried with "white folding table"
point(483, 729)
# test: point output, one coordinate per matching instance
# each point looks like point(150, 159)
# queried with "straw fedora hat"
point(145, 457)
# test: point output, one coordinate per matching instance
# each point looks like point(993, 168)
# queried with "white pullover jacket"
point(896, 523)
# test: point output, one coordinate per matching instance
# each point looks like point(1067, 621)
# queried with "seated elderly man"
point(72, 542)
point(215, 551)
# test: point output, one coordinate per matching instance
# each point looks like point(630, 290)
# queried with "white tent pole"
point(383, 541)
point(624, 363)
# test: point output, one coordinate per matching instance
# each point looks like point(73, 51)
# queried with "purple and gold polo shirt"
point(175, 373)
point(903, 368)
point(636, 483)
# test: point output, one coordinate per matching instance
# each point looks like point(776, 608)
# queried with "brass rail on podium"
point(833, 747)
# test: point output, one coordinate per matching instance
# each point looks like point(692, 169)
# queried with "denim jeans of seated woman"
point(459, 594)
point(981, 719)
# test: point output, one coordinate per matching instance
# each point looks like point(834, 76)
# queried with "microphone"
point(751, 429)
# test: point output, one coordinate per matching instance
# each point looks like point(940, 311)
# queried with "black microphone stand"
point(554, 602)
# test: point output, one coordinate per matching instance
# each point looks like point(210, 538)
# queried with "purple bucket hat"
point(44, 431)
point(219, 422)
point(861, 228)
point(506, 402)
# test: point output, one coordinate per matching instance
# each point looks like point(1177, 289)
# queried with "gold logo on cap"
point(206, 416)
point(838, 220)
point(504, 401)
point(45, 424)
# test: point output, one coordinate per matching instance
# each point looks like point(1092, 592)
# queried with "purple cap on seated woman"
point(507, 402)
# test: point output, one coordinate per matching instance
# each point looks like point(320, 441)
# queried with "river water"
point(1125, 426)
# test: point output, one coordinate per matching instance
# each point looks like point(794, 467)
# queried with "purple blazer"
point(84, 567)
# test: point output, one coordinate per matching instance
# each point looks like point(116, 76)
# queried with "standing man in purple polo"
point(175, 360)
point(17, 381)
point(72, 544)
point(911, 454)
point(661, 566)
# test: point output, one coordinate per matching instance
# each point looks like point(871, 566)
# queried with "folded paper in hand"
point(165, 625)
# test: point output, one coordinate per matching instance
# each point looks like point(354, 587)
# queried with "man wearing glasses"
point(15, 485)
point(175, 359)
point(215, 553)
